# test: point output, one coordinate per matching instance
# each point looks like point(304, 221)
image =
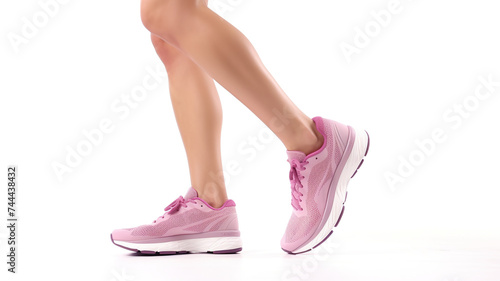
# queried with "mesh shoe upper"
point(186, 215)
point(310, 178)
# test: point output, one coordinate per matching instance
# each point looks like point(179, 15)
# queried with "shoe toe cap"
point(290, 245)
point(122, 234)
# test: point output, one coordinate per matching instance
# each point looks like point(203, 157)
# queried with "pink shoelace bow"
point(295, 180)
point(174, 206)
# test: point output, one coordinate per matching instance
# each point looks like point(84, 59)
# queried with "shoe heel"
point(363, 145)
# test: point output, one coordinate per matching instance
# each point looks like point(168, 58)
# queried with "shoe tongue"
point(191, 193)
point(299, 155)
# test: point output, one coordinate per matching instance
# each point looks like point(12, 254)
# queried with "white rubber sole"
point(358, 152)
point(197, 245)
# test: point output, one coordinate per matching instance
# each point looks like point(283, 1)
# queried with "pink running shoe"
point(319, 184)
point(189, 225)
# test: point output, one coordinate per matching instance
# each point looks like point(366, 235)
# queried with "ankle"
point(213, 197)
point(308, 139)
point(213, 202)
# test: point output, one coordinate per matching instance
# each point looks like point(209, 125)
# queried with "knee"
point(168, 54)
point(167, 17)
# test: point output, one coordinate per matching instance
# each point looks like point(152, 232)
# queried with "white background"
point(441, 223)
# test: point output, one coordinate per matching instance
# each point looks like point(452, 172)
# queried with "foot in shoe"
point(319, 184)
point(190, 225)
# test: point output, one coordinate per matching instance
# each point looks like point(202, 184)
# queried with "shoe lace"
point(174, 206)
point(295, 181)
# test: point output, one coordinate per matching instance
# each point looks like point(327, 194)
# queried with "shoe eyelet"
point(201, 205)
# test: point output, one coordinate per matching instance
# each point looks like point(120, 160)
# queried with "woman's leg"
point(229, 58)
point(218, 50)
point(198, 113)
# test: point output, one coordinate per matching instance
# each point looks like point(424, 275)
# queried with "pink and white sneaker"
point(189, 225)
point(319, 184)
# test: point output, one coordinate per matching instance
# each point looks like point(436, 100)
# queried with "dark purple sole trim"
point(324, 239)
point(292, 253)
point(343, 207)
point(126, 248)
point(366, 152)
point(368, 145)
point(231, 251)
point(360, 163)
point(340, 217)
point(150, 253)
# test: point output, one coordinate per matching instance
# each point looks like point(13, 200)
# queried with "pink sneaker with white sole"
point(189, 225)
point(319, 184)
